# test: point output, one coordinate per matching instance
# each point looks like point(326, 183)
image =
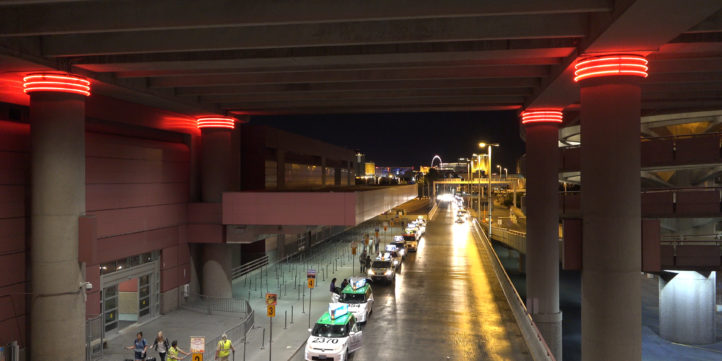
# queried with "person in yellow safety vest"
point(224, 348)
point(174, 351)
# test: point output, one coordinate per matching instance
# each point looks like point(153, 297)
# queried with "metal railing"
point(538, 347)
point(692, 239)
point(249, 267)
point(210, 305)
point(236, 334)
point(94, 337)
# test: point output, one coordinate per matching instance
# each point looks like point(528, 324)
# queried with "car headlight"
point(388, 273)
point(371, 272)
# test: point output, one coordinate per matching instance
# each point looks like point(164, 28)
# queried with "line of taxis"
point(337, 333)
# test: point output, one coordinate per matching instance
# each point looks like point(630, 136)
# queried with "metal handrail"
point(249, 267)
point(235, 334)
point(533, 338)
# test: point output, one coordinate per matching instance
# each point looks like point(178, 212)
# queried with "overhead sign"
point(271, 299)
point(271, 310)
point(198, 344)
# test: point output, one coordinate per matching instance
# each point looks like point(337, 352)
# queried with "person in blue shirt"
point(139, 347)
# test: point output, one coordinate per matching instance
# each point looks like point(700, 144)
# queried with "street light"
point(499, 166)
point(491, 203)
point(506, 173)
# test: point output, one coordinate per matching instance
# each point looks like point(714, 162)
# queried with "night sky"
point(411, 139)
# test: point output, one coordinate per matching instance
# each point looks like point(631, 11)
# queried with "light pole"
point(499, 167)
point(491, 203)
point(506, 173)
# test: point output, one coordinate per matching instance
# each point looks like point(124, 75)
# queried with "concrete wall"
point(312, 208)
point(14, 230)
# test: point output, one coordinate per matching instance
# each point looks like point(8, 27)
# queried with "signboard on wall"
point(198, 344)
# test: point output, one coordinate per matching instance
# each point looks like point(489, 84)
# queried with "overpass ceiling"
point(348, 56)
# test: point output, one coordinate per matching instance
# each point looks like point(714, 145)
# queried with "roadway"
point(446, 304)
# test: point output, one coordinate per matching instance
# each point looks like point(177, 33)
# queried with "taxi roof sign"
point(357, 283)
point(390, 247)
point(398, 238)
point(336, 310)
point(326, 319)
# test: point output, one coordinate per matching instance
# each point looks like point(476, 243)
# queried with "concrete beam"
point(397, 102)
point(133, 15)
point(379, 109)
point(325, 34)
point(200, 70)
point(438, 84)
point(486, 50)
point(643, 26)
point(368, 95)
point(353, 76)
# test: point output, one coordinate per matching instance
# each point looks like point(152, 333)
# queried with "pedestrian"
point(224, 348)
point(174, 350)
point(362, 261)
point(333, 286)
point(367, 261)
point(161, 345)
point(344, 283)
point(139, 347)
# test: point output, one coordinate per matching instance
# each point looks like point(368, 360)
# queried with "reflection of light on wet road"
point(446, 304)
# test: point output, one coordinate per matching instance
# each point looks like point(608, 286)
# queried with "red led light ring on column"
point(216, 122)
point(541, 116)
point(56, 82)
point(610, 65)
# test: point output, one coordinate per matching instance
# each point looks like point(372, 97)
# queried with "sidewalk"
point(288, 280)
point(330, 259)
point(178, 325)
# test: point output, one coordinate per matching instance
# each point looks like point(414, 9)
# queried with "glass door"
point(144, 296)
point(109, 295)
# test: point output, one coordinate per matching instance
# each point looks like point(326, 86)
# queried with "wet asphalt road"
point(446, 304)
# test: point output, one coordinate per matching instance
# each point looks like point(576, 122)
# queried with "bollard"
point(299, 293)
point(292, 314)
point(303, 303)
point(285, 318)
point(263, 338)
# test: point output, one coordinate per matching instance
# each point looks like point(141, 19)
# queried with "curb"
point(298, 349)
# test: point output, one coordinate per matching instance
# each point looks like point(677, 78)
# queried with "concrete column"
point(280, 169)
point(337, 176)
point(217, 263)
point(58, 198)
point(323, 171)
point(215, 179)
point(687, 307)
point(611, 256)
point(542, 237)
point(215, 164)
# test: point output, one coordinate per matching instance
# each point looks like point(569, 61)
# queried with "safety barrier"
point(236, 334)
point(538, 348)
point(94, 337)
point(249, 267)
point(433, 211)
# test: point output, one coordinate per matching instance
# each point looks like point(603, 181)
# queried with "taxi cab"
point(393, 253)
point(411, 241)
point(399, 245)
point(359, 297)
point(382, 269)
point(334, 336)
